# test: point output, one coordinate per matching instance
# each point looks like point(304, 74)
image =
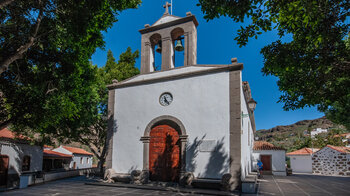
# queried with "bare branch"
point(5, 3)
point(51, 90)
point(21, 50)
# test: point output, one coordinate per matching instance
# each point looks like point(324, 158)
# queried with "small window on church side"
point(26, 163)
point(81, 160)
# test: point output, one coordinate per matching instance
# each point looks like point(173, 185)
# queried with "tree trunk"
point(100, 165)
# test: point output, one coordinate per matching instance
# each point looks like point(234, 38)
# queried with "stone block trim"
point(110, 129)
point(235, 127)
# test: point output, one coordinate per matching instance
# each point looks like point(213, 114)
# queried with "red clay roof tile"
point(7, 133)
point(341, 149)
point(76, 150)
point(303, 151)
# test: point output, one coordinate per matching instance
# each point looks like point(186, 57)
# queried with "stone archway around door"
point(172, 125)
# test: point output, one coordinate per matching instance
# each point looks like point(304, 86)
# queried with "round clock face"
point(165, 99)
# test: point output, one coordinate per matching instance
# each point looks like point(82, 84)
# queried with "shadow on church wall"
point(192, 151)
point(218, 163)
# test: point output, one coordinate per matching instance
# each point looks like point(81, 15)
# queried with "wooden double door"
point(164, 154)
point(4, 164)
point(267, 163)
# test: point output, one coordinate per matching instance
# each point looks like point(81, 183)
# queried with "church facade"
point(177, 121)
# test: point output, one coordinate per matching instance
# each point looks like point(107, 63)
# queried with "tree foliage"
point(314, 68)
point(47, 83)
point(94, 134)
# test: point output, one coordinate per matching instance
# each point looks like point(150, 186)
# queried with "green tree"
point(47, 84)
point(94, 133)
point(314, 68)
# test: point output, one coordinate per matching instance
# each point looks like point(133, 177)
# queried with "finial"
point(188, 14)
point(147, 25)
point(166, 6)
point(234, 60)
point(115, 81)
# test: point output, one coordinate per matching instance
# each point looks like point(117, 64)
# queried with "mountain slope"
point(285, 136)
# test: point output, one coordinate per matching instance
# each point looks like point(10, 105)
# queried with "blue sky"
point(216, 45)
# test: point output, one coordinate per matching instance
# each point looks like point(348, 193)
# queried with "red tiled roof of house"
point(263, 145)
point(303, 151)
point(7, 133)
point(341, 149)
point(47, 146)
point(342, 135)
point(50, 153)
point(76, 150)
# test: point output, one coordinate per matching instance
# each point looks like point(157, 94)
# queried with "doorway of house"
point(74, 165)
point(4, 165)
point(267, 163)
point(164, 154)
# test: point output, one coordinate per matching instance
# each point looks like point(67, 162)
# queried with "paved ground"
point(298, 185)
point(76, 186)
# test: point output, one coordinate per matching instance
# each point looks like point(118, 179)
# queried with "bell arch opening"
point(155, 52)
point(178, 45)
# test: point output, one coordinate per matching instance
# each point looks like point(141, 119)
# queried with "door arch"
point(164, 154)
point(179, 128)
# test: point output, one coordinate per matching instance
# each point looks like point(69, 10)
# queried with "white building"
point(332, 160)
point(272, 157)
point(17, 157)
point(80, 158)
point(192, 119)
point(318, 131)
point(301, 160)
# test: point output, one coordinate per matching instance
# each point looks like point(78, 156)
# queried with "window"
point(26, 163)
point(81, 160)
point(87, 160)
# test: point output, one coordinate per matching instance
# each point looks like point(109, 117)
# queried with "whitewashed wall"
point(301, 163)
point(76, 158)
point(201, 103)
point(16, 152)
point(246, 139)
point(278, 160)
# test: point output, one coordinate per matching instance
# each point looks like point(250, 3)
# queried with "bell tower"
point(167, 36)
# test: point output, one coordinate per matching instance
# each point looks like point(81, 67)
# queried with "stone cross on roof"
point(166, 6)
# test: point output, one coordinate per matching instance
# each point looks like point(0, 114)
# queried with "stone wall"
point(328, 161)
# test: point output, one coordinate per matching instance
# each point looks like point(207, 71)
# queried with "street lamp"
point(252, 104)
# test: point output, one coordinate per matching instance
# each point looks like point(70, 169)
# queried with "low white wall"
point(278, 160)
point(301, 163)
point(63, 174)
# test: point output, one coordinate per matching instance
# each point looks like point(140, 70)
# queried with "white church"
point(193, 122)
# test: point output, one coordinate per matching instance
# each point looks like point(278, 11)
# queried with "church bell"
point(179, 47)
point(159, 48)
